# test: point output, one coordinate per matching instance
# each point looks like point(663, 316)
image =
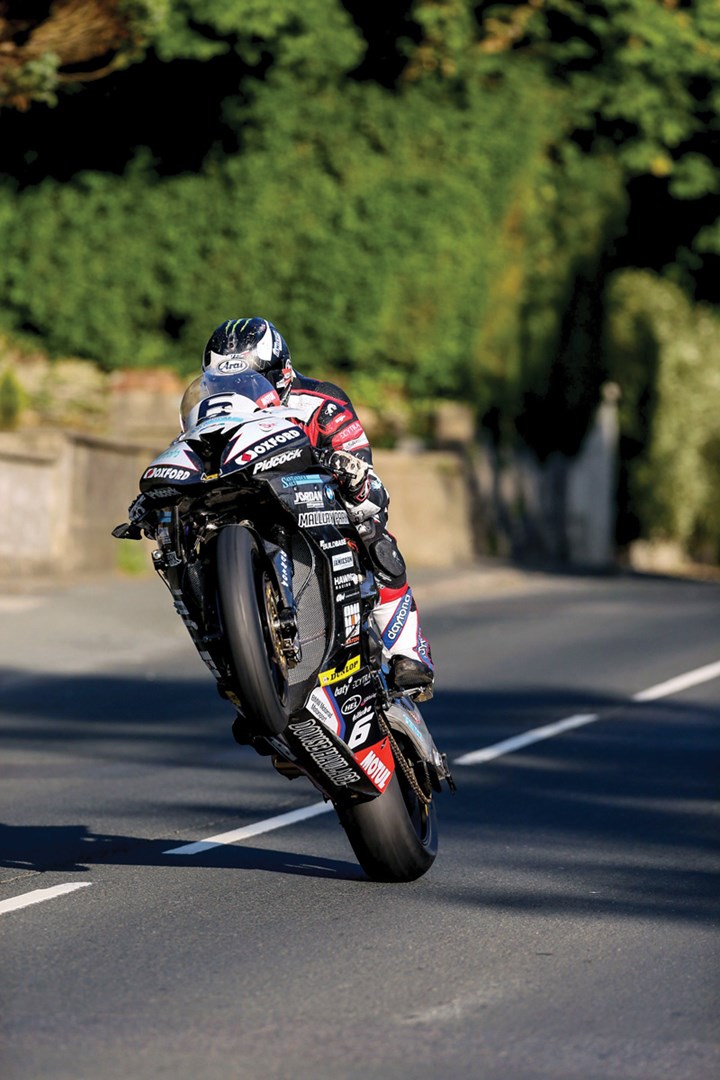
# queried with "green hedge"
point(664, 353)
point(371, 229)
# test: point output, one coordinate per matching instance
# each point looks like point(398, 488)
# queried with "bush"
point(11, 400)
point(664, 353)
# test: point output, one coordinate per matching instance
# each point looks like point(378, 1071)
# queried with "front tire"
point(248, 606)
point(393, 835)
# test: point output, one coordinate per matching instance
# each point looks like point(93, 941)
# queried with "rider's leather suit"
point(328, 417)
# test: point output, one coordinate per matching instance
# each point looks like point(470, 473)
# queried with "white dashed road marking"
point(38, 895)
point(653, 693)
point(476, 757)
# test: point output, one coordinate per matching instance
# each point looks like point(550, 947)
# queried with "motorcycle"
point(274, 585)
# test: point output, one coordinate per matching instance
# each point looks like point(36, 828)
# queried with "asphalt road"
point(568, 928)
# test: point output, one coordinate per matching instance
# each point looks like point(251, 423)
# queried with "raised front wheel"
point(248, 606)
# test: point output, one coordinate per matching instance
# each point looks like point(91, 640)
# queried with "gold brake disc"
point(273, 622)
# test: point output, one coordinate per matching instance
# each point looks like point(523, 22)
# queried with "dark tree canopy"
point(429, 199)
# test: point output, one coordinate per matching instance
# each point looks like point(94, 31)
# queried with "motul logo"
point(375, 770)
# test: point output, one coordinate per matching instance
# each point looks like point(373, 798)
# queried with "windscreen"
point(248, 384)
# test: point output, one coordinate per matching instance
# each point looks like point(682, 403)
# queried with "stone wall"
point(62, 494)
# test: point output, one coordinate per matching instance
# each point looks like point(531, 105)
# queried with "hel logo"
point(351, 704)
point(378, 764)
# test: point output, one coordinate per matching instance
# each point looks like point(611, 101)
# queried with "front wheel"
point(394, 835)
point(248, 606)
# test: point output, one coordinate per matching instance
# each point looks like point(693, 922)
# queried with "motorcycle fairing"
point(313, 744)
point(346, 705)
point(236, 432)
point(378, 763)
point(178, 466)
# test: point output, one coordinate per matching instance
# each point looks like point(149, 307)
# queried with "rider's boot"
point(404, 647)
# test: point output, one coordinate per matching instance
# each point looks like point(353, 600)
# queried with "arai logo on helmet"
point(231, 365)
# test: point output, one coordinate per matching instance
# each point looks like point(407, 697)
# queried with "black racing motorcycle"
point(271, 580)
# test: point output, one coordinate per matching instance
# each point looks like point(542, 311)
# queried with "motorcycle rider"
point(329, 419)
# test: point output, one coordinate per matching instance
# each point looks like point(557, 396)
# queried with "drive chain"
point(405, 766)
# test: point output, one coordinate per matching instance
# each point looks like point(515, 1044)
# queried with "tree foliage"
point(665, 352)
point(640, 82)
point(428, 199)
point(45, 46)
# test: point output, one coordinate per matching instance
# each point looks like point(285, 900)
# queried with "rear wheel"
point(394, 835)
point(249, 609)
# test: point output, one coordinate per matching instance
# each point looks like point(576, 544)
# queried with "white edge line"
point(653, 693)
point(252, 830)
point(475, 757)
point(487, 753)
point(680, 682)
point(535, 735)
point(38, 895)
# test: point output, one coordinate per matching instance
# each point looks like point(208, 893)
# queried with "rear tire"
point(394, 836)
point(248, 599)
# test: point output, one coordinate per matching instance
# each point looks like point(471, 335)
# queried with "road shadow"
point(616, 816)
point(76, 849)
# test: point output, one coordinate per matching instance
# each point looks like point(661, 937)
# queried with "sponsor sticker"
point(274, 462)
point(285, 572)
point(309, 498)
point(377, 763)
point(351, 616)
point(272, 443)
point(299, 480)
point(351, 704)
point(332, 675)
point(354, 444)
point(321, 517)
point(353, 430)
point(319, 746)
point(343, 561)
point(166, 472)
point(323, 708)
point(173, 452)
point(353, 686)
point(338, 421)
point(162, 493)
point(328, 545)
point(342, 581)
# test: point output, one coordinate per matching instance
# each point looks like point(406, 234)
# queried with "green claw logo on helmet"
point(249, 345)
